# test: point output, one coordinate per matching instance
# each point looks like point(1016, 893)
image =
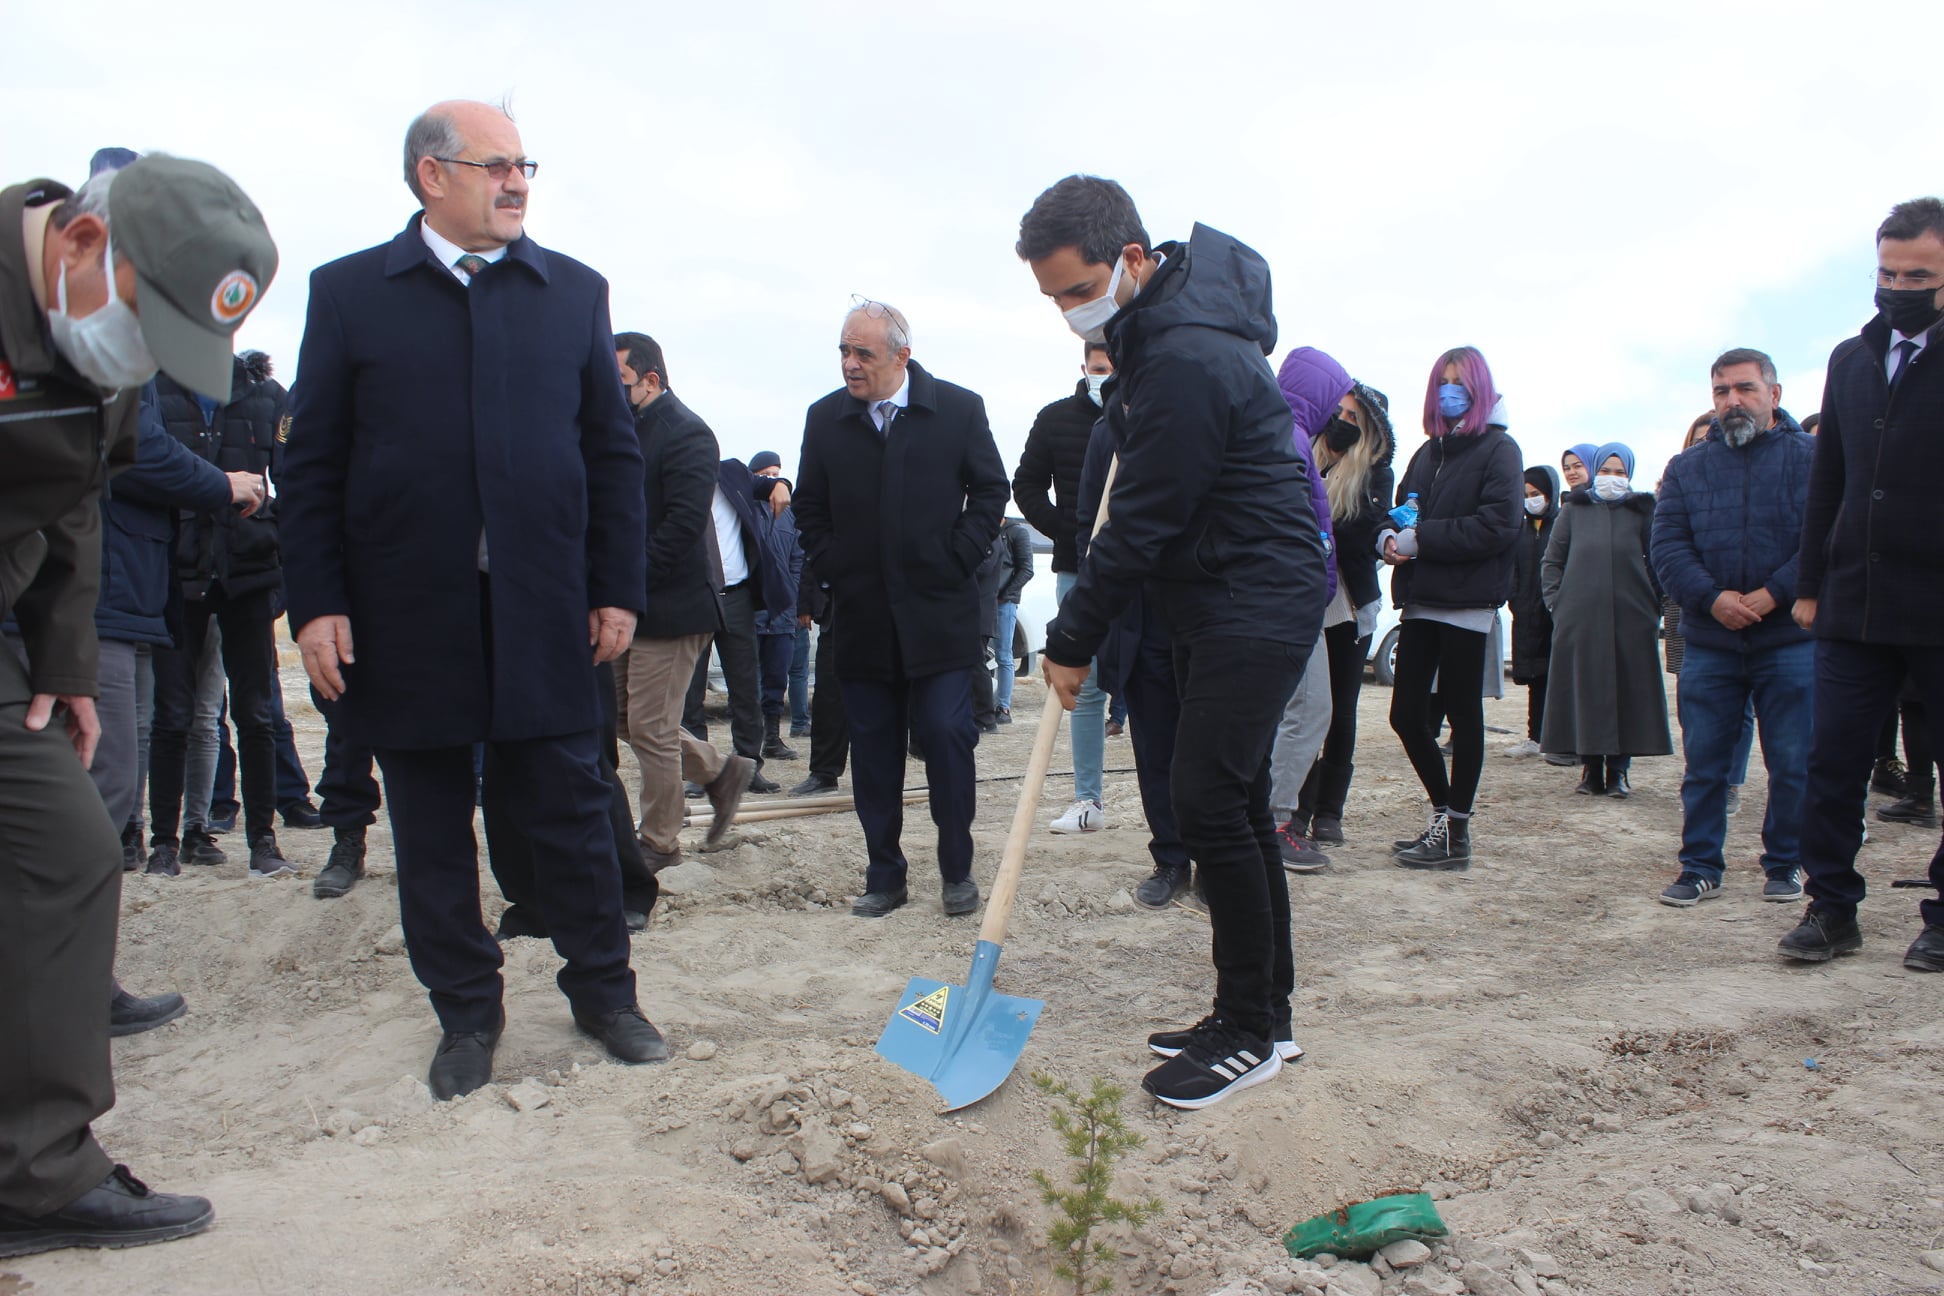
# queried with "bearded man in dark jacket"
point(1209, 512)
point(1870, 569)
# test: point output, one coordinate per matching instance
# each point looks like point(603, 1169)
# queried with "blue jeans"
point(1716, 689)
point(1089, 718)
point(1738, 768)
point(800, 682)
point(1002, 651)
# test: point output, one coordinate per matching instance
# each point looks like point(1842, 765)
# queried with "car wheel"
point(1022, 653)
point(1385, 663)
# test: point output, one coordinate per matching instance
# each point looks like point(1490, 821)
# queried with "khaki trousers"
point(657, 682)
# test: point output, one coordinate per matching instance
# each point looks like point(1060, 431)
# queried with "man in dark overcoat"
point(465, 537)
point(1869, 572)
point(900, 496)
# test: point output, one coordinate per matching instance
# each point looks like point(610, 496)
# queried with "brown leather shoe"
point(725, 793)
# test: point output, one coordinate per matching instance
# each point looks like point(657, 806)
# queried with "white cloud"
point(1601, 196)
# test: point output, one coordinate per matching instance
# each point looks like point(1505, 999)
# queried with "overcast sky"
point(1600, 196)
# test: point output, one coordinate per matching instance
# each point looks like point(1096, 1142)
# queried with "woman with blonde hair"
point(1353, 451)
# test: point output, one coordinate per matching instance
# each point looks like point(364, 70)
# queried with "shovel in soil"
point(967, 1039)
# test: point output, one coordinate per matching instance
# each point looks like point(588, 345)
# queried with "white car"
point(1038, 602)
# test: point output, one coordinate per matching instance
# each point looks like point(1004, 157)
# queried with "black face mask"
point(1341, 433)
point(1909, 310)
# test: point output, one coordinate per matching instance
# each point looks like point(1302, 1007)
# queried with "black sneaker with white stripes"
point(1217, 1060)
point(1168, 1043)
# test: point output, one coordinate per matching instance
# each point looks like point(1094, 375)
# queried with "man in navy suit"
point(900, 497)
point(466, 540)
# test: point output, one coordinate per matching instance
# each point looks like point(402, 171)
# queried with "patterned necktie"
point(469, 265)
point(1906, 349)
point(887, 410)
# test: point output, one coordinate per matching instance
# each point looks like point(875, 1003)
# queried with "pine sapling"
point(1096, 1137)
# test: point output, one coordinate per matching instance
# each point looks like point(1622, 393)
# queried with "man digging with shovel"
point(1210, 511)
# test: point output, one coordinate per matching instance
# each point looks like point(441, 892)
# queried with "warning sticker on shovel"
point(928, 1012)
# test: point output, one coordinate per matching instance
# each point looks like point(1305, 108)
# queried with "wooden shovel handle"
point(1012, 864)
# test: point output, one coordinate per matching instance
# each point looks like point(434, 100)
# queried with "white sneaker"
point(1521, 751)
point(1084, 817)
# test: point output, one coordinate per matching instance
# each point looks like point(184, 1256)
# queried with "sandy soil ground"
point(1647, 1096)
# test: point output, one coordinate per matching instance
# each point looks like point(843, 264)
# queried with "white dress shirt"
point(902, 399)
point(449, 252)
point(729, 541)
point(1896, 340)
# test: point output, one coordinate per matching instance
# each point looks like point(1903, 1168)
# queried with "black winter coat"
point(895, 526)
point(1055, 448)
point(1532, 622)
point(1017, 541)
point(678, 459)
point(1870, 538)
point(1469, 490)
point(218, 551)
point(137, 517)
point(1210, 508)
point(428, 412)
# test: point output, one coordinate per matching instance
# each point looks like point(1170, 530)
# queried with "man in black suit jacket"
point(678, 453)
point(751, 574)
point(459, 494)
point(900, 497)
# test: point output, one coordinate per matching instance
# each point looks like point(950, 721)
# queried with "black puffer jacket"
point(218, 551)
point(1210, 506)
point(1532, 623)
point(1055, 449)
point(1469, 487)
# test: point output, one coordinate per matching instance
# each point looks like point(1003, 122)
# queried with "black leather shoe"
point(1921, 811)
point(521, 920)
point(1592, 778)
point(876, 904)
point(1162, 886)
point(1926, 953)
point(1619, 786)
point(815, 785)
point(774, 748)
point(1822, 935)
point(725, 792)
point(1890, 778)
point(120, 1211)
point(346, 865)
point(627, 1035)
point(634, 920)
point(463, 1062)
point(300, 814)
point(762, 785)
point(130, 1015)
point(960, 898)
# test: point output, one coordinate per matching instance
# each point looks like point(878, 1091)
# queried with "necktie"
point(887, 410)
point(1906, 349)
point(469, 264)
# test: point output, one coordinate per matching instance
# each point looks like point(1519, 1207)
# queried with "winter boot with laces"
point(1446, 847)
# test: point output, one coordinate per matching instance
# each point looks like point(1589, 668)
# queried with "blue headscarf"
point(1583, 453)
point(1606, 452)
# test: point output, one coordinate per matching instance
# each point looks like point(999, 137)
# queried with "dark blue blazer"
point(771, 587)
point(424, 412)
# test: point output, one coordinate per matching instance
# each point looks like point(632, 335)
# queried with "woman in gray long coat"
point(1605, 700)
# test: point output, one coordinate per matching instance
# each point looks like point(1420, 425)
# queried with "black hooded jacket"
point(218, 547)
point(1532, 624)
point(1210, 505)
point(1469, 487)
point(1055, 448)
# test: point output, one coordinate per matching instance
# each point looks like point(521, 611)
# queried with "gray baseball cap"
point(203, 259)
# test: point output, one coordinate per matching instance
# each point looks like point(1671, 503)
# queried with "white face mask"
point(107, 346)
point(1611, 488)
point(1094, 383)
point(1089, 319)
point(1536, 504)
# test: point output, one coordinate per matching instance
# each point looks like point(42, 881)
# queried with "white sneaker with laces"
point(1523, 750)
point(1082, 817)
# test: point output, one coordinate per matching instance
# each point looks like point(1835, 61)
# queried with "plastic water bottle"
point(1405, 515)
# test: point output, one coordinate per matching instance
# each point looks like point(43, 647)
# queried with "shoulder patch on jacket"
point(283, 430)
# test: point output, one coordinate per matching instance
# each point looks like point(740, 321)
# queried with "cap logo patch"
point(234, 296)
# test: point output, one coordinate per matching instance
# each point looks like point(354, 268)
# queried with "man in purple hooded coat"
point(1313, 384)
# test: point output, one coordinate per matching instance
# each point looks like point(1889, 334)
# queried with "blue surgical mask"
point(1453, 401)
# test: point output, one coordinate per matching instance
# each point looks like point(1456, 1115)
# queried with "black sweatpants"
point(1428, 650)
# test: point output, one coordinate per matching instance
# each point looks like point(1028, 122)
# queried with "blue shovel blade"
point(964, 1039)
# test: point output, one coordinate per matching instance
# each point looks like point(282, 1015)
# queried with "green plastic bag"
point(1362, 1229)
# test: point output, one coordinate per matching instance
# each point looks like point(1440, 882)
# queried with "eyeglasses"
point(875, 309)
point(499, 168)
point(1907, 279)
